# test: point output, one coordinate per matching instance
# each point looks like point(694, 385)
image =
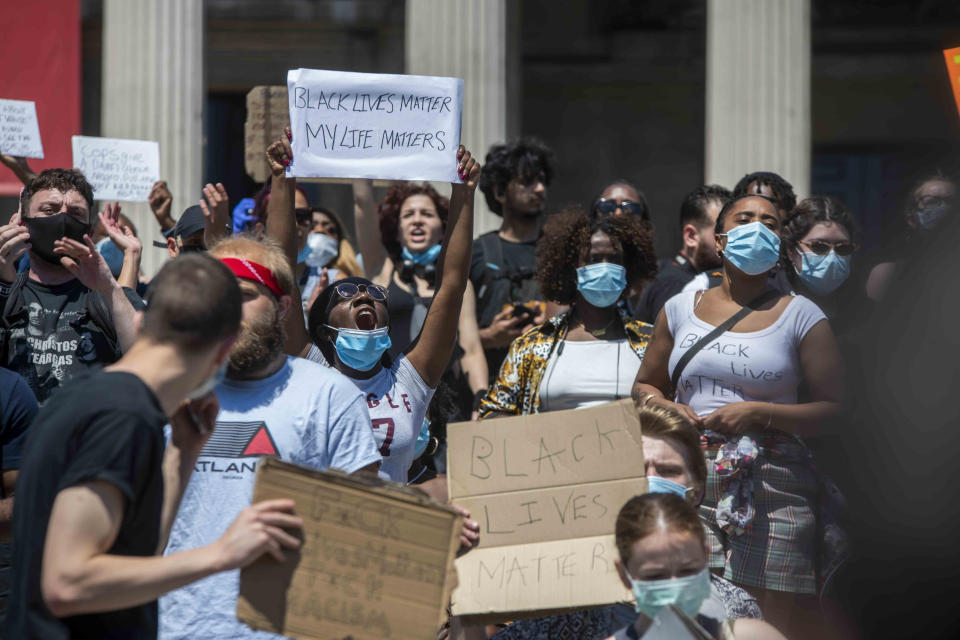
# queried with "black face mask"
point(45, 230)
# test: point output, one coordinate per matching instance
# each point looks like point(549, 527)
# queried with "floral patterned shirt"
point(517, 388)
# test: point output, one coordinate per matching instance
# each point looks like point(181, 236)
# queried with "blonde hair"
point(660, 422)
point(265, 251)
point(346, 262)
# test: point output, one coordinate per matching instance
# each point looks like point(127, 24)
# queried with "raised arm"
point(129, 244)
point(19, 166)
point(282, 227)
point(474, 361)
point(431, 350)
point(368, 230)
point(160, 201)
point(215, 205)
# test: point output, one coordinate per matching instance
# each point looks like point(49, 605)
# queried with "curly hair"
point(782, 190)
point(566, 241)
point(389, 211)
point(813, 210)
point(64, 180)
point(522, 159)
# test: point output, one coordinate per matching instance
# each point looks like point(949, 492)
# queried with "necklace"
point(596, 333)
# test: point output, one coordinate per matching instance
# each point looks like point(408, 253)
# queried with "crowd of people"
point(133, 410)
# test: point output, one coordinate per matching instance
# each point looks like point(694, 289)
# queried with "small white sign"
point(374, 125)
point(19, 131)
point(118, 169)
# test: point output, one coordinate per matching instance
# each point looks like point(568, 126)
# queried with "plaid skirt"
point(777, 552)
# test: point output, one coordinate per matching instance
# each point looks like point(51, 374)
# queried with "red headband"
point(243, 268)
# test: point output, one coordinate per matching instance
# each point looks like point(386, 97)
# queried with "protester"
point(270, 405)
point(116, 240)
point(621, 198)
point(187, 234)
point(349, 325)
point(18, 407)
point(819, 242)
point(675, 464)
point(67, 313)
point(698, 253)
point(325, 221)
point(663, 560)
point(161, 200)
point(740, 387)
point(585, 262)
point(412, 221)
point(98, 491)
point(514, 183)
point(932, 201)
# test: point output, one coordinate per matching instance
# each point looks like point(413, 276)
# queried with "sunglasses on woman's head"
point(606, 207)
point(821, 248)
point(349, 290)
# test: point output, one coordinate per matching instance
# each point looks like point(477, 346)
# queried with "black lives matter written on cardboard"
point(546, 490)
point(376, 560)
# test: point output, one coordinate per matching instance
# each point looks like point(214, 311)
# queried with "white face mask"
point(319, 251)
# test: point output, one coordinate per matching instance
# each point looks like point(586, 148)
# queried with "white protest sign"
point(118, 169)
point(373, 125)
point(19, 131)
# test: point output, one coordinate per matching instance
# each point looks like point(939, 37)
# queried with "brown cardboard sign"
point(267, 115)
point(376, 559)
point(546, 490)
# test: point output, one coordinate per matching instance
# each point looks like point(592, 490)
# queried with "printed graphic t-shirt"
point(397, 399)
point(305, 414)
point(59, 339)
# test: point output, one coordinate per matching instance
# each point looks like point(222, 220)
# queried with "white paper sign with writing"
point(374, 125)
point(118, 169)
point(19, 131)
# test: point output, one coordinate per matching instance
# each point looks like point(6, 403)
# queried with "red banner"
point(41, 51)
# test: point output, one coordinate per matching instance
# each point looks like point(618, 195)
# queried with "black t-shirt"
point(59, 338)
point(106, 426)
point(672, 275)
point(502, 277)
point(18, 407)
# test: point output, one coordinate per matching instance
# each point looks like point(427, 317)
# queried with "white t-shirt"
point(759, 366)
point(304, 414)
point(397, 399)
point(585, 374)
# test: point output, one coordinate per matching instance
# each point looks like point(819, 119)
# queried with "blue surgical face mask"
point(210, 383)
point(752, 248)
point(319, 250)
point(656, 484)
point(929, 217)
point(823, 274)
point(423, 439)
point(112, 255)
point(425, 257)
point(361, 350)
point(602, 283)
point(687, 594)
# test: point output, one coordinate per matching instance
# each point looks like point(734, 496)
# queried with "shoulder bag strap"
point(718, 331)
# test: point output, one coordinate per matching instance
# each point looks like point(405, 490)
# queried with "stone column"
point(472, 40)
point(153, 90)
point(758, 90)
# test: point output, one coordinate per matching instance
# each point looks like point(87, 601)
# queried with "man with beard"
point(67, 313)
point(514, 182)
point(270, 405)
point(697, 255)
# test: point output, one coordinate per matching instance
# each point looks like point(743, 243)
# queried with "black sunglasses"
point(821, 248)
point(349, 290)
point(606, 207)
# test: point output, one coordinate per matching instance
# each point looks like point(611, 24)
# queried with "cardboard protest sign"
point(952, 56)
point(373, 125)
point(118, 169)
point(19, 131)
point(376, 560)
point(546, 490)
point(267, 115)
